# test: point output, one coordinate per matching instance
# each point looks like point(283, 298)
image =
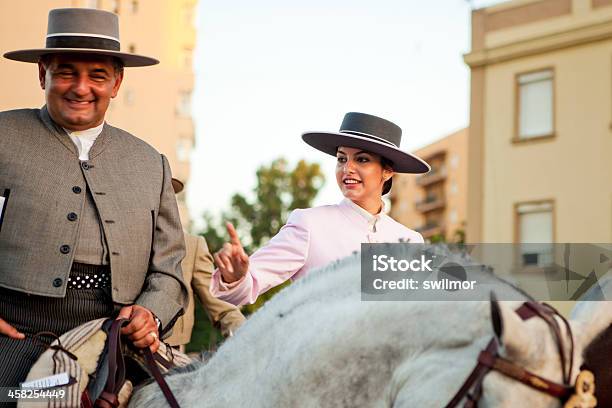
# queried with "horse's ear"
point(510, 330)
point(496, 318)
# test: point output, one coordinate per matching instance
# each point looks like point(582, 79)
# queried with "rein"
point(489, 359)
point(117, 368)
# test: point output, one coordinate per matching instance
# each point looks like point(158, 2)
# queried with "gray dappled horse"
point(316, 344)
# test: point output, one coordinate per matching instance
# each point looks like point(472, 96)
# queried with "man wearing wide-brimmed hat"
point(89, 226)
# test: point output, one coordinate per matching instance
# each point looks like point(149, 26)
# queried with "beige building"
point(540, 125)
point(435, 203)
point(154, 103)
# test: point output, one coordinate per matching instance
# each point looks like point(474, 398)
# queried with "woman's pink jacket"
point(312, 238)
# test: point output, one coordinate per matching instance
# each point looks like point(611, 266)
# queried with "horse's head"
point(540, 353)
point(528, 344)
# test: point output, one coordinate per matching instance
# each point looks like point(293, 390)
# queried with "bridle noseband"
point(489, 359)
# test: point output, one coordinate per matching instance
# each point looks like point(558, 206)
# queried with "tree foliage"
point(278, 191)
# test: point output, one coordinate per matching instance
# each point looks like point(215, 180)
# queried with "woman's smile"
point(350, 182)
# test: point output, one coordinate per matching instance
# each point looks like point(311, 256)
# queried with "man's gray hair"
point(118, 65)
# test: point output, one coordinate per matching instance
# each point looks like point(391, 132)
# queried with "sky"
point(268, 70)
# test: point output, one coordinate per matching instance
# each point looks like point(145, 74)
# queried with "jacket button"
point(72, 216)
point(65, 249)
point(85, 165)
point(57, 282)
point(76, 190)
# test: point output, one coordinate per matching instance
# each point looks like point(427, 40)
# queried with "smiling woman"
point(361, 176)
point(367, 153)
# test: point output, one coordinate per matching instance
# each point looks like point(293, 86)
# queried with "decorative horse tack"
point(579, 396)
point(585, 389)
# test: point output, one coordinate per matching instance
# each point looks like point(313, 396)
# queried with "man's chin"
point(79, 123)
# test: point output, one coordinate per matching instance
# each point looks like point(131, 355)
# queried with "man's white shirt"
point(84, 139)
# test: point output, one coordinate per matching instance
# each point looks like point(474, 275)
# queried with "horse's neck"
point(320, 326)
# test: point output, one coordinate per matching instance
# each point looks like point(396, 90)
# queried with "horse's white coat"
point(316, 344)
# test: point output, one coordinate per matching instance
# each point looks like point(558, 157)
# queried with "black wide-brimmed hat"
point(82, 31)
point(370, 133)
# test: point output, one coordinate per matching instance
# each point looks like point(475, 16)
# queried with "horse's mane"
point(352, 262)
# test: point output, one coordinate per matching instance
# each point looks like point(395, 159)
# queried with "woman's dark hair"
point(387, 164)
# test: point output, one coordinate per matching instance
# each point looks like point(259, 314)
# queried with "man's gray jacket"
point(44, 186)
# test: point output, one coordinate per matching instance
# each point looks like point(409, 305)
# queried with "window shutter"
point(536, 104)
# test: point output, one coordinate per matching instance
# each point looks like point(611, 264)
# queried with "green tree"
point(458, 237)
point(278, 191)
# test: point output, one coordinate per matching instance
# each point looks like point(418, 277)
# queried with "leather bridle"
point(489, 359)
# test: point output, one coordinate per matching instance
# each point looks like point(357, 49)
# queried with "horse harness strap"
point(489, 359)
point(117, 371)
point(509, 369)
point(157, 375)
point(547, 312)
point(474, 380)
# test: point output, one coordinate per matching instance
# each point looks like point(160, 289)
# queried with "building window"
point(535, 233)
point(535, 104)
point(183, 149)
point(187, 58)
point(129, 97)
point(114, 6)
point(454, 161)
point(189, 15)
point(134, 6)
point(91, 4)
point(184, 104)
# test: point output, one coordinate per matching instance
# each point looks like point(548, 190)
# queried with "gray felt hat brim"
point(33, 55)
point(328, 142)
point(82, 31)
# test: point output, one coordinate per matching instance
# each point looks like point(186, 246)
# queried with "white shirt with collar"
point(84, 139)
point(371, 219)
point(312, 238)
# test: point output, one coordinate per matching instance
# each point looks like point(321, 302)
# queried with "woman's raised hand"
point(232, 261)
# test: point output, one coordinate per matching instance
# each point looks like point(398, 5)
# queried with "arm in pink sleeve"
point(281, 258)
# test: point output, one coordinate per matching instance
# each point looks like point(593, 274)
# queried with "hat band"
point(378, 139)
point(74, 41)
